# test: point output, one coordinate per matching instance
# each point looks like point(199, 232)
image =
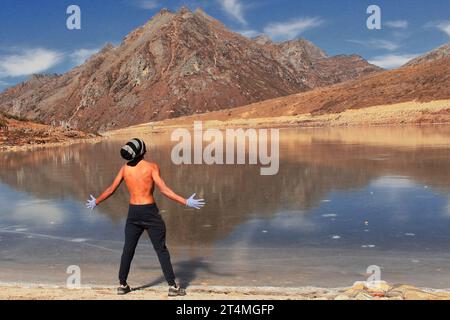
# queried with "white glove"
point(195, 203)
point(90, 204)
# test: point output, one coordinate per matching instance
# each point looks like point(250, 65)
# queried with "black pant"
point(140, 218)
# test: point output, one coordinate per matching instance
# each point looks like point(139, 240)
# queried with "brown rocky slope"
point(409, 88)
point(177, 64)
point(17, 134)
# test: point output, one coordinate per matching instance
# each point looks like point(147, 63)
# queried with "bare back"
point(139, 181)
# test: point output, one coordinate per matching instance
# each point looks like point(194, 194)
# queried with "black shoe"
point(176, 291)
point(123, 290)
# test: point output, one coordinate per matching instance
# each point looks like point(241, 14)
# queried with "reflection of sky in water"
point(52, 219)
point(328, 197)
point(391, 213)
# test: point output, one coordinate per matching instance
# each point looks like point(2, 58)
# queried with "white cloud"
point(147, 4)
point(249, 33)
point(392, 61)
point(384, 44)
point(37, 212)
point(235, 9)
point(378, 44)
point(29, 61)
point(398, 24)
point(291, 29)
point(443, 26)
point(81, 55)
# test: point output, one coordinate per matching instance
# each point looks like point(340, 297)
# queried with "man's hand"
point(195, 203)
point(92, 203)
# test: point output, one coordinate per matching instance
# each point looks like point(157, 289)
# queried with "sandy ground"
point(18, 292)
point(357, 292)
point(408, 113)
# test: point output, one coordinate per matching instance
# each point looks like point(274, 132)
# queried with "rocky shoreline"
point(32, 147)
point(21, 135)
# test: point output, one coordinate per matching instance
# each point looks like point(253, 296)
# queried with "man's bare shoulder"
point(152, 165)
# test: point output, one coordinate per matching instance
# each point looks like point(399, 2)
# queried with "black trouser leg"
point(132, 234)
point(157, 234)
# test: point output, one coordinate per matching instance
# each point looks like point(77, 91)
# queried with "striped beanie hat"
point(133, 149)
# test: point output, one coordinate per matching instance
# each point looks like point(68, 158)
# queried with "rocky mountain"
point(177, 64)
point(432, 56)
point(413, 86)
point(315, 68)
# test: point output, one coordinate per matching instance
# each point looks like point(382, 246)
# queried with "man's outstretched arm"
point(92, 203)
point(169, 193)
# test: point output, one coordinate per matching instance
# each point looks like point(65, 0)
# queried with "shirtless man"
point(141, 177)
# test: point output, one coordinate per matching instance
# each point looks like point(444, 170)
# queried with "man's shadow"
point(186, 272)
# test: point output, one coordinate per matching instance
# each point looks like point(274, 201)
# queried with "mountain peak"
point(184, 10)
point(177, 64)
point(164, 11)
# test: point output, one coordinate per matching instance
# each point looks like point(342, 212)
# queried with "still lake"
point(344, 199)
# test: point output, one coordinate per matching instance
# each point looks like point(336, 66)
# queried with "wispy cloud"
point(147, 4)
point(378, 44)
point(397, 24)
point(443, 26)
point(28, 61)
point(392, 61)
point(235, 9)
point(293, 28)
point(249, 33)
point(81, 55)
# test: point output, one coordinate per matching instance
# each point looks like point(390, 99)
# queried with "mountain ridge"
point(436, 54)
point(177, 64)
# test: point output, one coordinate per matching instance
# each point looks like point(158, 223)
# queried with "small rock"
point(360, 285)
point(364, 296)
point(378, 286)
point(352, 292)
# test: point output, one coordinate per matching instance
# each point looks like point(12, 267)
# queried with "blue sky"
point(34, 37)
